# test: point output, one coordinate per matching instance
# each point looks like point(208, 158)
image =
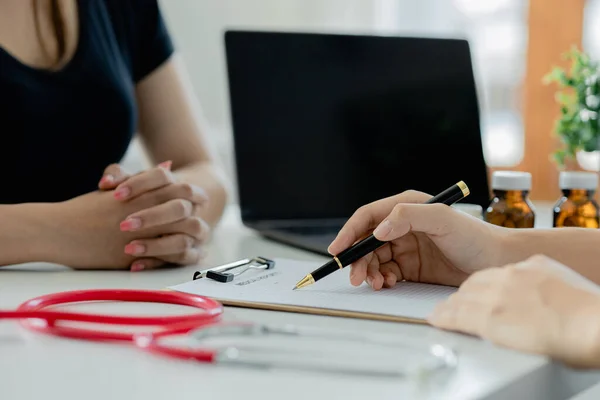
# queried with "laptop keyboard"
point(313, 238)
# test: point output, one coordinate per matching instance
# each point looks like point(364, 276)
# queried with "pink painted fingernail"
point(137, 266)
point(107, 179)
point(122, 192)
point(135, 249)
point(131, 224)
point(166, 164)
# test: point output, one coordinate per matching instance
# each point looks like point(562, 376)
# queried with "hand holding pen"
point(430, 243)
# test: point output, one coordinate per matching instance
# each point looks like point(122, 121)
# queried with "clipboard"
point(268, 286)
point(321, 311)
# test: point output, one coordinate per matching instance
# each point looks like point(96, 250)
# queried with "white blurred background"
point(497, 30)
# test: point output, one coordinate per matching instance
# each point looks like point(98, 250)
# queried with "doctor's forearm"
point(213, 181)
point(25, 230)
point(577, 248)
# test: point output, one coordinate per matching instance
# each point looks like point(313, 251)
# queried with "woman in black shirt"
point(78, 78)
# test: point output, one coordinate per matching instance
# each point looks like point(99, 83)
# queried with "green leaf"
point(590, 145)
point(557, 75)
point(567, 100)
point(559, 157)
point(575, 84)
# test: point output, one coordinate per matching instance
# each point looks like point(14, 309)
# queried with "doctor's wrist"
point(516, 245)
point(501, 246)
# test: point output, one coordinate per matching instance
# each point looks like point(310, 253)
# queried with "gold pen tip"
point(307, 280)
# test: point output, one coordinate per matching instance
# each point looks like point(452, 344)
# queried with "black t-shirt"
point(61, 129)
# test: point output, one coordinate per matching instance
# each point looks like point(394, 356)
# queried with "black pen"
point(449, 196)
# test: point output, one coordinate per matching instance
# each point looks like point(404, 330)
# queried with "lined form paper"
point(406, 299)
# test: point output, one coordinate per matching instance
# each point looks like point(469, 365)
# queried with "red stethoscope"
point(34, 311)
point(35, 315)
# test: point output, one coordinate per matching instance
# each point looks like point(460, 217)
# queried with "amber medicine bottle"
point(510, 206)
point(577, 207)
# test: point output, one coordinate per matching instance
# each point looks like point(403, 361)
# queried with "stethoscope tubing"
point(35, 309)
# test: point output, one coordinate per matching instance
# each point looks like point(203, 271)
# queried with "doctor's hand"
point(153, 252)
point(431, 243)
point(537, 306)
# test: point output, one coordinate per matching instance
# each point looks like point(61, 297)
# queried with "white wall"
point(197, 27)
point(591, 30)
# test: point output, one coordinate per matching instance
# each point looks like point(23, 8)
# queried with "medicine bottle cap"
point(578, 180)
point(511, 180)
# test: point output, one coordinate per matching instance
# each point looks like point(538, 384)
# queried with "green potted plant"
point(579, 97)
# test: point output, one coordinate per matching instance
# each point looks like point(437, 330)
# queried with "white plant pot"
point(589, 160)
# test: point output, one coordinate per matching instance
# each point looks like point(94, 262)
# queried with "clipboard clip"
point(222, 274)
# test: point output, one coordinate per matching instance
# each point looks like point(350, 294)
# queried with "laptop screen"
point(325, 123)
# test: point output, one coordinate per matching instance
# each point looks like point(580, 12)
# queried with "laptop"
point(324, 123)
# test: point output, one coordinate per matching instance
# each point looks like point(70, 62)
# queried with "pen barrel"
point(359, 250)
point(451, 195)
point(328, 268)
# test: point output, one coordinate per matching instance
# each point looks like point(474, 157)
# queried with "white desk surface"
point(34, 366)
point(592, 393)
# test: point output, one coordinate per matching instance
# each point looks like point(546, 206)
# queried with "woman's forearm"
point(578, 248)
point(214, 183)
point(25, 232)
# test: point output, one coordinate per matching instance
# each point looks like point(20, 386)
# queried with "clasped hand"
point(181, 231)
point(140, 221)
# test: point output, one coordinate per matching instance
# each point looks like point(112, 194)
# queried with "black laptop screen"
point(325, 123)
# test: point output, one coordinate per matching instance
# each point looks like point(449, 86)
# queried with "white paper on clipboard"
point(333, 295)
